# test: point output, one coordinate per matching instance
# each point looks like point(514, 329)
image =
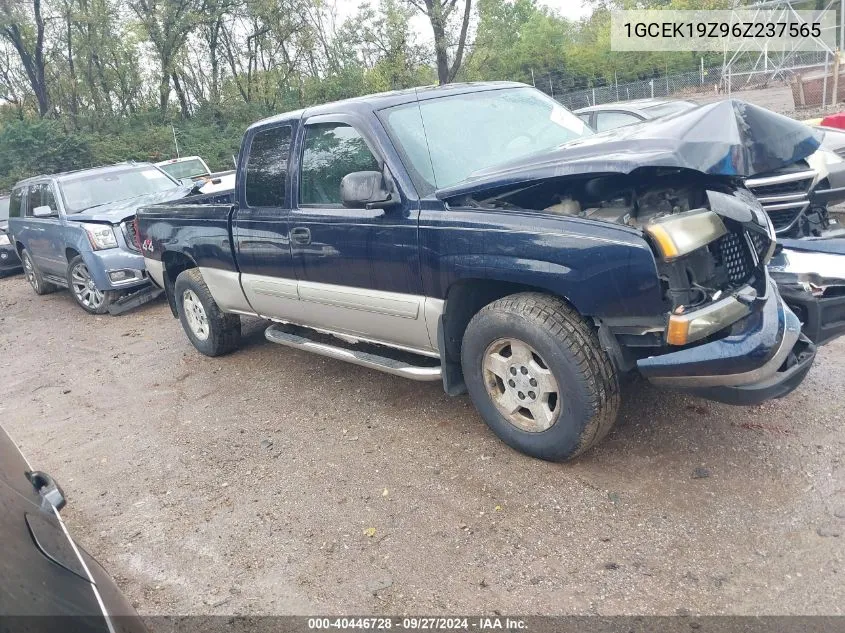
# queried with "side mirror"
point(43, 211)
point(367, 190)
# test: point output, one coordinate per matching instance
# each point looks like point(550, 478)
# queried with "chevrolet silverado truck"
point(74, 230)
point(481, 235)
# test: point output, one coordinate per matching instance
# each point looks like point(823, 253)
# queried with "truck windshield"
point(96, 189)
point(446, 139)
point(186, 168)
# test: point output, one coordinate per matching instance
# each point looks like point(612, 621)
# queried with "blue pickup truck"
point(76, 230)
point(482, 236)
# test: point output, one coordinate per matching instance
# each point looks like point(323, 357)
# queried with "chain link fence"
point(749, 73)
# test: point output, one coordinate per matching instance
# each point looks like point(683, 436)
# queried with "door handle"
point(300, 235)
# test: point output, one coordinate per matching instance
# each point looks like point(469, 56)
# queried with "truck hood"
point(726, 138)
point(116, 212)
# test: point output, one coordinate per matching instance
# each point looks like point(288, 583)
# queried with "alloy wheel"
point(29, 271)
point(521, 385)
point(195, 315)
point(84, 289)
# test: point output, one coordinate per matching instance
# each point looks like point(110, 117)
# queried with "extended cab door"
point(260, 224)
point(358, 269)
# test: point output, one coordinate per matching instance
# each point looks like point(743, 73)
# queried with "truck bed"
point(198, 227)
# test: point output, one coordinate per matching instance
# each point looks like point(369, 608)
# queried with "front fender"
point(102, 261)
point(603, 271)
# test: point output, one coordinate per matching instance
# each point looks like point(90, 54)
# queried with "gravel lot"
point(273, 481)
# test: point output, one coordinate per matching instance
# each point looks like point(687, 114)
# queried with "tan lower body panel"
point(402, 320)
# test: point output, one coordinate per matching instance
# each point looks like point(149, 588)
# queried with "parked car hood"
point(116, 212)
point(726, 138)
point(4, 226)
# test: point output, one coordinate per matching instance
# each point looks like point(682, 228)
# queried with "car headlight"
point(680, 234)
point(101, 236)
point(692, 326)
point(4, 240)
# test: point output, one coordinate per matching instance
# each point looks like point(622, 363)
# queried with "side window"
point(40, 195)
point(610, 120)
point(48, 198)
point(332, 150)
point(33, 199)
point(16, 202)
point(267, 167)
point(585, 117)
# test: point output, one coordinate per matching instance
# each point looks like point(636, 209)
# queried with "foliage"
point(91, 82)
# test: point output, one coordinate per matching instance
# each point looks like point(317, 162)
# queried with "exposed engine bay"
point(726, 238)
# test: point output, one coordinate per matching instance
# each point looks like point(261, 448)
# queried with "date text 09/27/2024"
point(418, 623)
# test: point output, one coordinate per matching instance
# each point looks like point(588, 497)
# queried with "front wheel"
point(211, 331)
point(85, 291)
point(538, 376)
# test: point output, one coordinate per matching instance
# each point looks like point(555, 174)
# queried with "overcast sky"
point(572, 9)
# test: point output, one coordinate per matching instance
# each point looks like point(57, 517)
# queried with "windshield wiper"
point(93, 206)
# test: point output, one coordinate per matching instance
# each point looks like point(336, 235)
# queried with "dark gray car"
point(10, 263)
point(47, 582)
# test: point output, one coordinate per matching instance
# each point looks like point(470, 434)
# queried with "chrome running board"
point(276, 334)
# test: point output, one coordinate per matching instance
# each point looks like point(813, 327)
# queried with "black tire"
point(91, 305)
point(224, 330)
point(34, 277)
point(561, 344)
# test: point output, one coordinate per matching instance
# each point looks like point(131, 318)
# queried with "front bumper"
point(765, 356)
point(9, 260)
point(118, 268)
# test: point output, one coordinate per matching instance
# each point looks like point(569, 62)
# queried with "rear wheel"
point(85, 291)
point(210, 330)
point(538, 376)
point(33, 275)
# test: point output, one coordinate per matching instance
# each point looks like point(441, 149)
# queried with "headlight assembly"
point(680, 234)
point(101, 236)
point(692, 326)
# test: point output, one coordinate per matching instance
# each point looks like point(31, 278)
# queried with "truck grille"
point(784, 196)
point(733, 252)
point(760, 243)
point(128, 228)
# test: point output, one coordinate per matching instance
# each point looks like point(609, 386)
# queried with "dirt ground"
point(273, 481)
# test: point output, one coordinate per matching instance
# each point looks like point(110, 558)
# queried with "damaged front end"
point(722, 331)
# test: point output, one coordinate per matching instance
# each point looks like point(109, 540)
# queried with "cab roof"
point(65, 175)
point(381, 100)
